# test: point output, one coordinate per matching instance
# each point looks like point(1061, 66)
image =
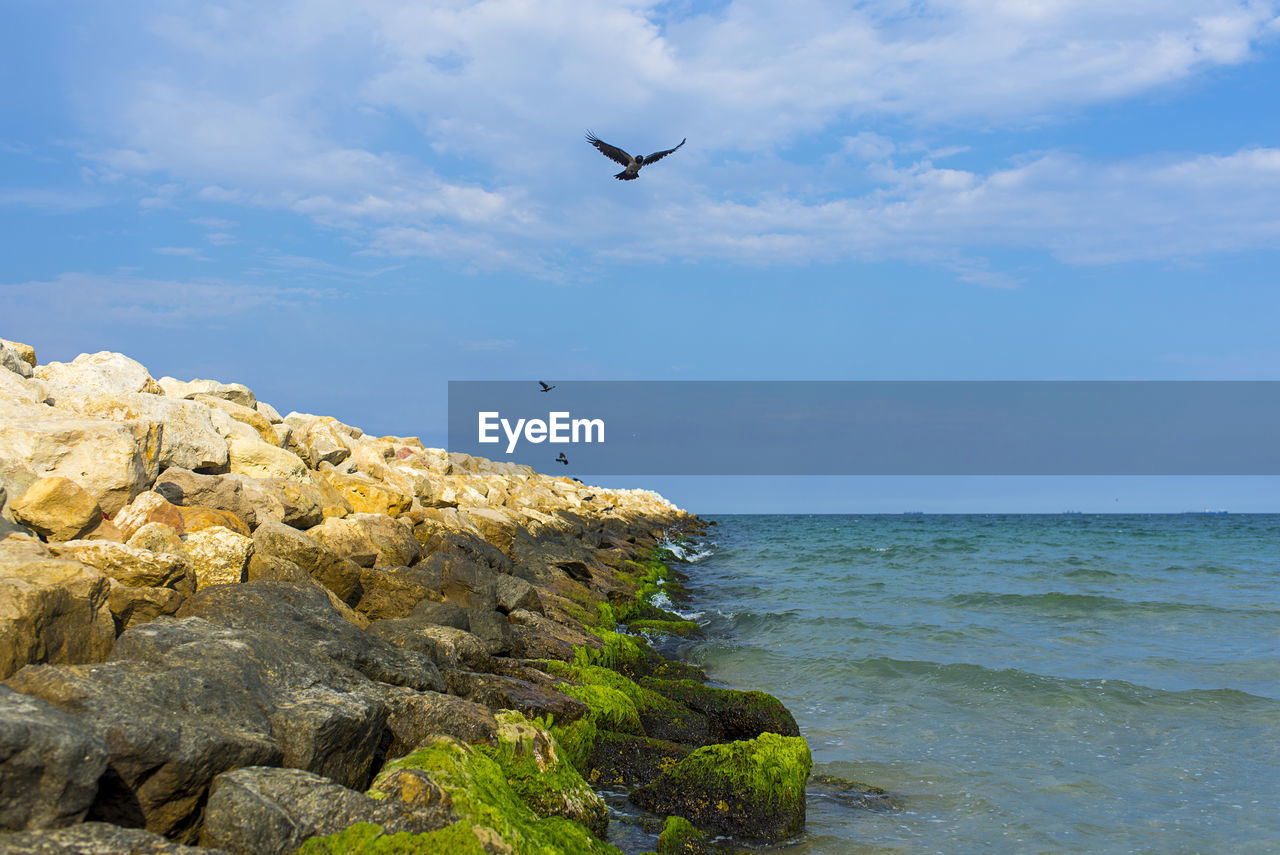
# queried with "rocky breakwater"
point(223, 629)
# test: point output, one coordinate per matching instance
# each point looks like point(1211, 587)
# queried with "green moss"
point(576, 741)
point(753, 788)
point(367, 839)
point(679, 837)
point(683, 628)
point(620, 652)
point(610, 708)
point(736, 714)
point(482, 796)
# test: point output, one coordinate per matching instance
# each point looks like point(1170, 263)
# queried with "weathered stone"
point(196, 519)
point(497, 528)
point(110, 372)
point(295, 503)
point(219, 556)
point(58, 508)
point(114, 461)
point(133, 606)
point(492, 629)
point(324, 444)
point(394, 541)
point(130, 565)
point(509, 693)
point(51, 610)
point(235, 392)
point(515, 594)
point(259, 459)
point(417, 716)
point(271, 413)
point(158, 537)
point(183, 487)
point(23, 357)
point(245, 415)
point(96, 838)
point(189, 439)
point(544, 780)
point(49, 765)
point(444, 614)
point(334, 572)
point(346, 538)
point(733, 714)
point(450, 648)
point(627, 759)
point(332, 503)
point(367, 496)
point(305, 616)
point(264, 811)
point(105, 530)
point(465, 582)
point(148, 507)
point(752, 789)
point(393, 592)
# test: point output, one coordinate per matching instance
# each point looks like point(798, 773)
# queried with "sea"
point(1068, 683)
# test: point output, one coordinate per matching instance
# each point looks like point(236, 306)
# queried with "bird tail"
point(624, 175)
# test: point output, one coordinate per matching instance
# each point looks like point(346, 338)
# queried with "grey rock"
point(492, 629)
point(417, 716)
point(515, 594)
point(444, 614)
point(96, 838)
point(450, 648)
point(334, 572)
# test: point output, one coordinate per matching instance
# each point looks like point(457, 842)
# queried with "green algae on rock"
point(679, 837)
point(733, 714)
point(752, 788)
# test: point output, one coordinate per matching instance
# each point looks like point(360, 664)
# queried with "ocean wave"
point(689, 553)
point(1064, 604)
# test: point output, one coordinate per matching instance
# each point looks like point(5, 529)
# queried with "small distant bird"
point(562, 459)
point(588, 497)
point(631, 163)
point(545, 387)
point(611, 507)
point(579, 480)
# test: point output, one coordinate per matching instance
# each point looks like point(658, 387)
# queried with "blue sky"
point(347, 205)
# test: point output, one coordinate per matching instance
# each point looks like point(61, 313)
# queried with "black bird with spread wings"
point(545, 387)
point(631, 163)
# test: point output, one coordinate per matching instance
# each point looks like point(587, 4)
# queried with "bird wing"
point(612, 152)
point(658, 155)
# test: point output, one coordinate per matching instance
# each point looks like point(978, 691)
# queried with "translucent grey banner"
point(872, 427)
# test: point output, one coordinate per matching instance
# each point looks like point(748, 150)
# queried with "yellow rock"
point(197, 519)
point(367, 496)
point(58, 508)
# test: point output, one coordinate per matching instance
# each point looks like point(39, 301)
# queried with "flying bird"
point(631, 163)
point(545, 387)
point(562, 459)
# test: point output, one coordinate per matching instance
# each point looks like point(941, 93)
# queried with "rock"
point(259, 459)
point(273, 568)
point(497, 528)
point(515, 594)
point(189, 439)
point(732, 714)
point(237, 393)
point(114, 461)
point(295, 503)
point(271, 413)
point(133, 606)
point(158, 537)
point(23, 356)
point(57, 508)
point(544, 780)
point(191, 489)
point(417, 716)
point(49, 765)
point(146, 508)
point(443, 614)
point(109, 372)
point(510, 693)
point(465, 582)
point(96, 838)
point(335, 573)
point(304, 615)
point(324, 444)
point(394, 541)
point(541, 625)
point(219, 556)
point(332, 503)
point(196, 519)
point(450, 648)
point(627, 759)
point(492, 629)
point(131, 566)
point(51, 610)
point(752, 789)
point(346, 538)
point(367, 496)
point(245, 415)
point(679, 837)
point(264, 811)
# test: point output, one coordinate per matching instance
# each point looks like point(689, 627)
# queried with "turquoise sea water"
point(1025, 684)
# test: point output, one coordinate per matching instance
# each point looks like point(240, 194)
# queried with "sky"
point(345, 206)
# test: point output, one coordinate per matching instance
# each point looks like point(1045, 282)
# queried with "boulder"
point(367, 496)
point(450, 648)
point(148, 507)
point(245, 415)
point(732, 714)
point(105, 371)
point(219, 556)
point(271, 413)
point(133, 606)
point(304, 615)
point(515, 594)
point(492, 630)
point(189, 439)
point(114, 461)
point(158, 537)
point(11, 358)
point(51, 610)
point(510, 693)
point(264, 811)
point(324, 444)
point(191, 489)
point(259, 459)
point(131, 566)
point(497, 527)
point(393, 540)
point(752, 789)
point(444, 614)
point(235, 392)
point(417, 716)
point(49, 765)
point(334, 572)
point(394, 592)
point(272, 568)
point(348, 539)
point(96, 838)
point(197, 519)
point(295, 503)
point(57, 508)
